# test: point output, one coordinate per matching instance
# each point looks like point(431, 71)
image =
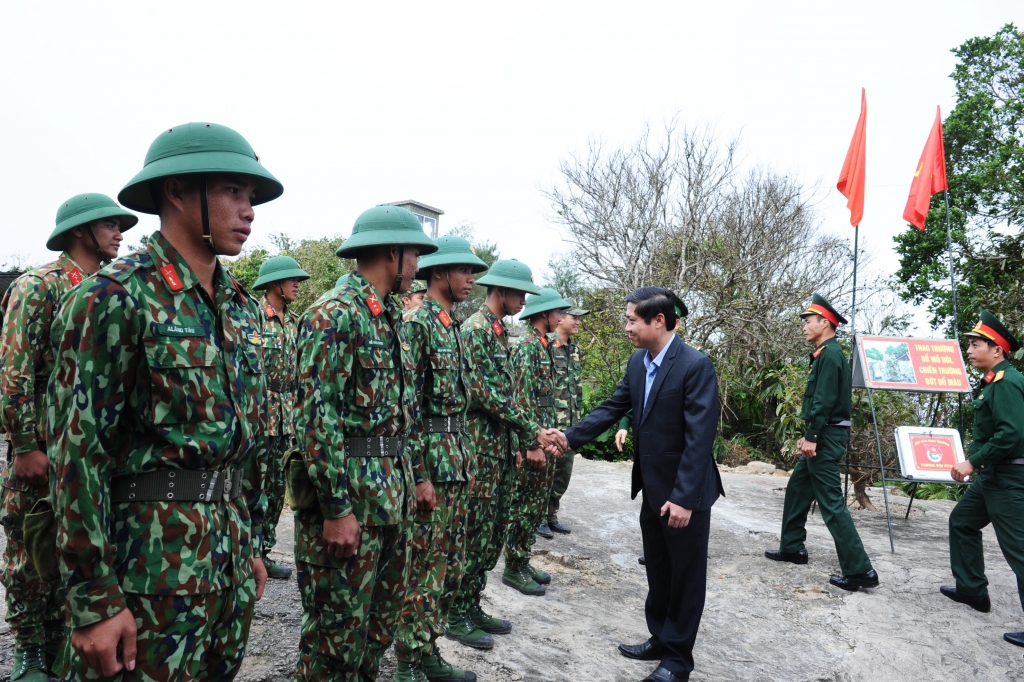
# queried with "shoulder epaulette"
point(999, 375)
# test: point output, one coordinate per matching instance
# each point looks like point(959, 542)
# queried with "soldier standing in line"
point(826, 411)
point(568, 379)
point(442, 463)
point(413, 299)
point(88, 233)
point(355, 495)
point(535, 388)
point(158, 410)
point(279, 278)
point(996, 495)
point(493, 414)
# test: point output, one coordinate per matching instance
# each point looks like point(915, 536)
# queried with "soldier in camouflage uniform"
point(158, 410)
point(568, 378)
point(442, 463)
point(493, 415)
point(413, 299)
point(531, 362)
point(88, 232)
point(279, 278)
point(353, 489)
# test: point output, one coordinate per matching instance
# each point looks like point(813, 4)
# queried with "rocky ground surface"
point(764, 621)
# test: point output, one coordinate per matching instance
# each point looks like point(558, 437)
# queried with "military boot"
point(462, 629)
point(409, 672)
point(29, 665)
point(517, 576)
point(488, 623)
point(541, 577)
point(439, 670)
point(275, 570)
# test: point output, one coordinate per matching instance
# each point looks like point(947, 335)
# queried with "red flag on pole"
point(851, 178)
point(930, 177)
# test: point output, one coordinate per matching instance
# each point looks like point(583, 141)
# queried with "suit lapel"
point(659, 379)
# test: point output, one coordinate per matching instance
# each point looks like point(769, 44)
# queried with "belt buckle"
point(383, 447)
point(213, 484)
point(449, 418)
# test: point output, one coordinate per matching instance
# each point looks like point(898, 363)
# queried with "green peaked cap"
point(417, 286)
point(820, 306)
point(547, 299)
point(277, 268)
point(512, 274)
point(386, 226)
point(989, 327)
point(82, 209)
point(451, 250)
point(195, 148)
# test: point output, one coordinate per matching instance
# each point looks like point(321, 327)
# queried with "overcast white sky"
point(466, 106)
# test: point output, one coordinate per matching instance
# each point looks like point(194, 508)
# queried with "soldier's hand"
point(620, 438)
point(98, 644)
point(536, 459)
point(553, 440)
point(260, 571)
point(426, 496)
point(807, 448)
point(342, 536)
point(961, 471)
point(32, 467)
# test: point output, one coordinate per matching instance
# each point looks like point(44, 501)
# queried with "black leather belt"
point(1016, 460)
point(281, 386)
point(845, 424)
point(455, 423)
point(375, 446)
point(545, 401)
point(178, 485)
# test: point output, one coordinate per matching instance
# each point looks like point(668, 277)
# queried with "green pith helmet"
point(989, 327)
point(820, 306)
point(198, 148)
point(82, 209)
point(511, 274)
point(277, 268)
point(418, 287)
point(386, 226)
point(547, 299)
point(577, 311)
point(451, 250)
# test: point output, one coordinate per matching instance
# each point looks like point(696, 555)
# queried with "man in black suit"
point(673, 392)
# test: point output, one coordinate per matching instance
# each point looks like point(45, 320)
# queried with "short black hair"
point(648, 302)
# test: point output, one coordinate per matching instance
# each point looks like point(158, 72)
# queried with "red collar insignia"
point(989, 377)
point(818, 352)
point(270, 310)
point(543, 342)
point(445, 320)
point(498, 329)
point(558, 343)
point(374, 305)
point(170, 276)
point(75, 276)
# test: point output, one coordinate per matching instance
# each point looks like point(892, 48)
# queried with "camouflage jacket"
point(568, 379)
point(439, 359)
point(533, 381)
point(155, 373)
point(356, 380)
point(493, 408)
point(26, 358)
point(282, 363)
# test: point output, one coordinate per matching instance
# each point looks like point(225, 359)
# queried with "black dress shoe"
point(982, 603)
point(1014, 638)
point(665, 675)
point(642, 561)
point(544, 531)
point(554, 525)
point(792, 557)
point(648, 651)
point(852, 583)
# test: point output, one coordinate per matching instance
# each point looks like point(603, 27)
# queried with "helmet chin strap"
point(504, 308)
point(448, 279)
point(96, 245)
point(397, 289)
point(204, 206)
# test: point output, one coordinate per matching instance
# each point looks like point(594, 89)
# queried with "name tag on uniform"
point(441, 349)
point(374, 343)
point(180, 330)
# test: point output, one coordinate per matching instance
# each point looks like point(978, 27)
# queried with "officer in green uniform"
point(353, 486)
point(826, 412)
point(88, 233)
point(158, 413)
point(413, 299)
point(996, 495)
point(442, 463)
point(279, 278)
point(535, 392)
point(568, 374)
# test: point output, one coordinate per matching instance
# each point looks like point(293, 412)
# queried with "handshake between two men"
point(551, 441)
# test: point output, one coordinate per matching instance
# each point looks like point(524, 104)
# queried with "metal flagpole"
point(952, 291)
point(853, 348)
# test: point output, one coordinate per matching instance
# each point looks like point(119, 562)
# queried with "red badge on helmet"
point(498, 329)
point(445, 320)
point(171, 277)
point(75, 276)
point(374, 305)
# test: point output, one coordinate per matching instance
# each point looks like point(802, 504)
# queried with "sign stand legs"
point(913, 494)
point(881, 468)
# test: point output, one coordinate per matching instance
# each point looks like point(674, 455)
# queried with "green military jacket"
point(356, 380)
point(534, 381)
point(829, 392)
point(152, 372)
point(494, 411)
point(282, 363)
point(439, 359)
point(998, 418)
point(26, 357)
point(568, 380)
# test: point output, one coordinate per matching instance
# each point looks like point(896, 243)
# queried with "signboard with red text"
point(907, 364)
point(927, 454)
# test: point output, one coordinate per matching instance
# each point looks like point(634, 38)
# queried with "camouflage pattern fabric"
point(493, 415)
point(274, 487)
point(35, 609)
point(568, 379)
point(533, 380)
point(182, 638)
point(356, 380)
point(152, 373)
point(350, 612)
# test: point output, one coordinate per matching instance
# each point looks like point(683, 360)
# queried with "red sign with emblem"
point(374, 305)
point(910, 364)
point(170, 276)
point(445, 320)
point(498, 329)
point(75, 276)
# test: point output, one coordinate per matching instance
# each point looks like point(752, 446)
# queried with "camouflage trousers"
point(528, 507)
point(35, 609)
point(437, 552)
point(560, 482)
point(485, 528)
point(273, 486)
point(350, 614)
point(191, 637)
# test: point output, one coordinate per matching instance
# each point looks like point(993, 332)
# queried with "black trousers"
point(677, 570)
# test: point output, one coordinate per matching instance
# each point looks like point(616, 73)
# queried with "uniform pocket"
point(376, 370)
point(184, 382)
